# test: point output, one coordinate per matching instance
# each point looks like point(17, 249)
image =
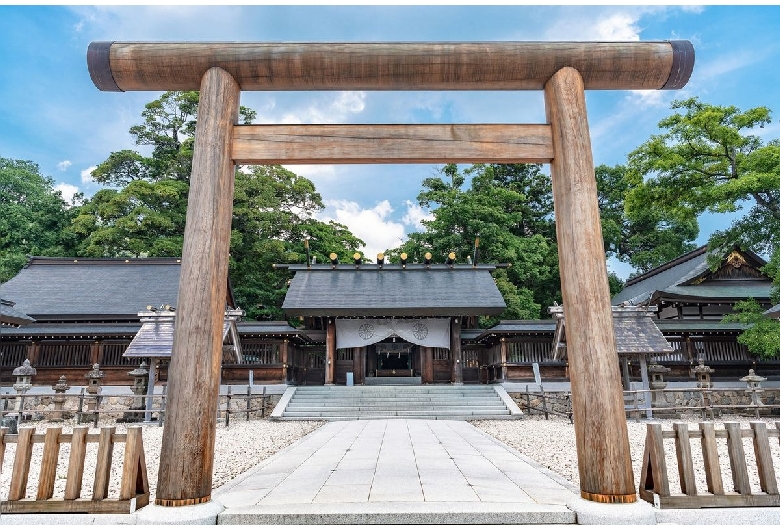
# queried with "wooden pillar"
point(94, 352)
point(501, 376)
point(187, 449)
point(359, 364)
point(33, 353)
point(603, 453)
point(330, 352)
point(426, 364)
point(455, 353)
point(646, 384)
point(284, 358)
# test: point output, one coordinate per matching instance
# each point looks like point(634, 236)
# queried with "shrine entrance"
point(562, 70)
point(395, 359)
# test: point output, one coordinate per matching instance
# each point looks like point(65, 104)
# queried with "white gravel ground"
point(245, 444)
point(551, 443)
point(238, 448)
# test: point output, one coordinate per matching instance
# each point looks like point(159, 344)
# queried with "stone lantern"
point(59, 398)
point(753, 387)
point(703, 373)
point(657, 383)
point(94, 376)
point(24, 375)
point(140, 384)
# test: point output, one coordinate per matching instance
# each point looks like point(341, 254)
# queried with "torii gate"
point(564, 70)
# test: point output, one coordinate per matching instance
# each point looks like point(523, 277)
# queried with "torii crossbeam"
point(564, 70)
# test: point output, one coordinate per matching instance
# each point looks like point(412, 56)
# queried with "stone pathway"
point(396, 471)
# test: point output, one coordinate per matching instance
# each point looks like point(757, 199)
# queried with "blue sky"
point(51, 113)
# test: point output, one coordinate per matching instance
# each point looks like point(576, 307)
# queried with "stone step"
point(396, 390)
point(396, 414)
point(386, 417)
point(328, 408)
point(395, 402)
point(399, 399)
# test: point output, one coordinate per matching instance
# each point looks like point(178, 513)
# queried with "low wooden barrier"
point(134, 487)
point(654, 481)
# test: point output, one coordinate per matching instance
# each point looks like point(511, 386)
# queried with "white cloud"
point(618, 27)
point(648, 98)
point(64, 165)
point(86, 175)
point(372, 225)
point(415, 215)
point(337, 107)
point(67, 190)
point(602, 23)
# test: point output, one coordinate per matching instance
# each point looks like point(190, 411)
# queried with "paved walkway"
point(396, 471)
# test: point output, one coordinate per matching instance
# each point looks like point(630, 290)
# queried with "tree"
point(33, 217)
point(143, 209)
point(273, 212)
point(509, 208)
point(762, 337)
point(645, 236)
point(142, 212)
point(707, 160)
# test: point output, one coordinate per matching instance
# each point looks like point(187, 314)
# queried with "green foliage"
point(615, 284)
point(33, 217)
point(273, 212)
point(142, 212)
point(762, 338)
point(772, 269)
point(509, 208)
point(707, 161)
point(634, 230)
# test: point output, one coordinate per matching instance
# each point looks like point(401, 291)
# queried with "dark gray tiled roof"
point(270, 328)
point(639, 290)
point(773, 312)
point(638, 334)
point(719, 291)
point(11, 316)
point(155, 339)
point(40, 330)
point(392, 291)
point(50, 287)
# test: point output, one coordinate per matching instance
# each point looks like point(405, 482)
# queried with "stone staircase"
point(450, 402)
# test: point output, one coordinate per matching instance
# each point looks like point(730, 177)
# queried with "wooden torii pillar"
point(563, 70)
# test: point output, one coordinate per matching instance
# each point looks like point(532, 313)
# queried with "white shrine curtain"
point(354, 333)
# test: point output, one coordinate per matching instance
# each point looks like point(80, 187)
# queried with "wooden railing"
point(134, 486)
point(654, 484)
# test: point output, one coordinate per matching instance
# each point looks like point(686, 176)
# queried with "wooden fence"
point(134, 486)
point(654, 484)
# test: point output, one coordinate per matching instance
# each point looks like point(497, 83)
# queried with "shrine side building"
point(363, 323)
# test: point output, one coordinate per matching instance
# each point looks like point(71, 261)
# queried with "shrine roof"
point(10, 316)
point(689, 277)
point(642, 287)
point(393, 291)
point(773, 312)
point(39, 330)
point(93, 288)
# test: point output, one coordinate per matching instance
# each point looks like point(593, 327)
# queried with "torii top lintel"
point(122, 66)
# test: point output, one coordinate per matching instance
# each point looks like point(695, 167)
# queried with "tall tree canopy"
point(509, 207)
point(142, 209)
point(34, 218)
point(709, 160)
point(645, 236)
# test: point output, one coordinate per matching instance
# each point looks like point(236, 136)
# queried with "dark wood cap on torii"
point(635, 65)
